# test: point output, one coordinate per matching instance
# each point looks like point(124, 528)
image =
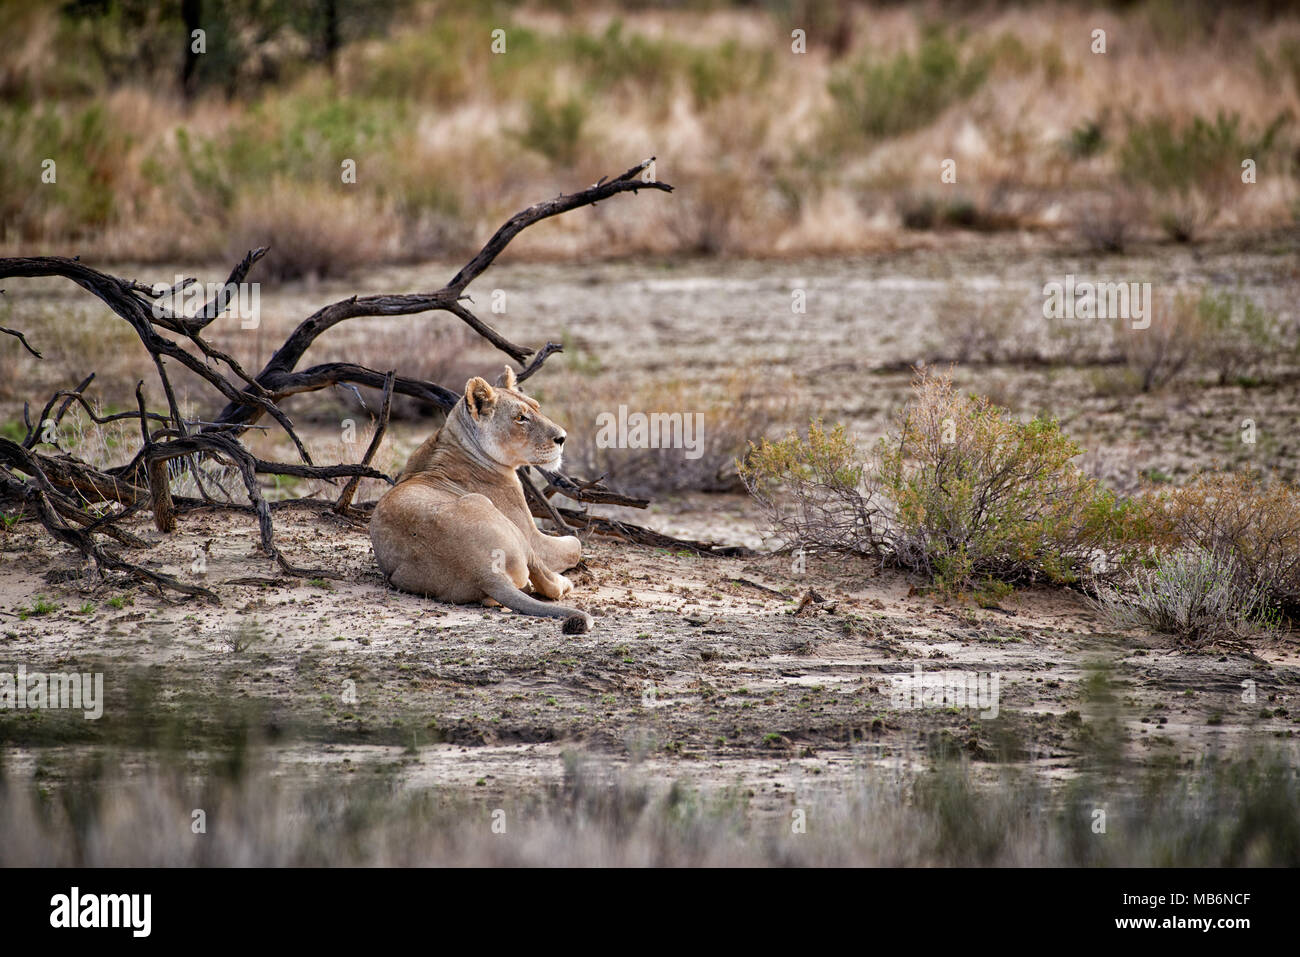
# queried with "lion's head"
point(508, 426)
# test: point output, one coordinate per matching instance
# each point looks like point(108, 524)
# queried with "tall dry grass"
point(736, 411)
point(772, 151)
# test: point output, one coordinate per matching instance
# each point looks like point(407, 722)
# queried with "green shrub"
point(554, 130)
point(1087, 140)
point(88, 153)
point(430, 65)
point(1222, 331)
point(876, 99)
point(815, 491)
point(960, 491)
point(1288, 54)
point(655, 67)
point(1239, 335)
point(248, 45)
point(614, 58)
point(726, 69)
point(306, 136)
point(1191, 169)
point(977, 495)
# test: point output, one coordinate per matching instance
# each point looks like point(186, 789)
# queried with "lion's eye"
point(521, 418)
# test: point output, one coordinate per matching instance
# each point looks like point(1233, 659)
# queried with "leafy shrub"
point(726, 70)
point(815, 492)
point(249, 46)
point(1086, 140)
point(1195, 594)
point(1288, 54)
point(615, 57)
point(301, 137)
point(655, 67)
point(1223, 331)
point(976, 494)
point(89, 153)
point(432, 65)
point(960, 491)
point(554, 129)
point(877, 99)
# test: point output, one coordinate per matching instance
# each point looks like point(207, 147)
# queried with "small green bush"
point(299, 137)
point(960, 491)
point(815, 491)
point(554, 129)
point(1192, 168)
point(655, 67)
point(1239, 335)
point(1086, 140)
point(977, 495)
point(876, 99)
point(1225, 332)
point(87, 152)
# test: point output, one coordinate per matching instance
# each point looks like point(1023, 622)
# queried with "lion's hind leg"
point(558, 553)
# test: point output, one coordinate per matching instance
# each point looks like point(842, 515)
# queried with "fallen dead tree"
point(75, 502)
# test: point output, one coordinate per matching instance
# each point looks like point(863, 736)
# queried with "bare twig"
point(538, 359)
point(345, 497)
point(23, 339)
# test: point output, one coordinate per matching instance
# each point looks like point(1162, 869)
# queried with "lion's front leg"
point(545, 582)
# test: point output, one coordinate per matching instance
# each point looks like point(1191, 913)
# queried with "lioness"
point(456, 526)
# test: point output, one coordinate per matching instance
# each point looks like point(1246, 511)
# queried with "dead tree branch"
point(344, 502)
point(59, 489)
point(23, 339)
point(277, 377)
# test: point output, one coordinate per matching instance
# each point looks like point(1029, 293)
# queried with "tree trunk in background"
point(192, 14)
point(330, 16)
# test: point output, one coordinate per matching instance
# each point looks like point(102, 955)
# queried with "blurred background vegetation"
point(167, 155)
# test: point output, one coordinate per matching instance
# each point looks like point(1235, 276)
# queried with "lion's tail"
point(500, 588)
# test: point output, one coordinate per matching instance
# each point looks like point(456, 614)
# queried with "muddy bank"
point(701, 668)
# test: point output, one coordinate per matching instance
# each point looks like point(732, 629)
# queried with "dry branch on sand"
point(75, 502)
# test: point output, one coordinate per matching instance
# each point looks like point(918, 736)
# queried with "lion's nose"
point(559, 439)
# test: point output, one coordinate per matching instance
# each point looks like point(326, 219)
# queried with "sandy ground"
point(698, 669)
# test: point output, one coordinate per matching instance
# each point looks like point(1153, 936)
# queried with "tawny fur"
point(456, 526)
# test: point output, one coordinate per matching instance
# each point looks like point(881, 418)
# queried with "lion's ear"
point(506, 379)
point(479, 396)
